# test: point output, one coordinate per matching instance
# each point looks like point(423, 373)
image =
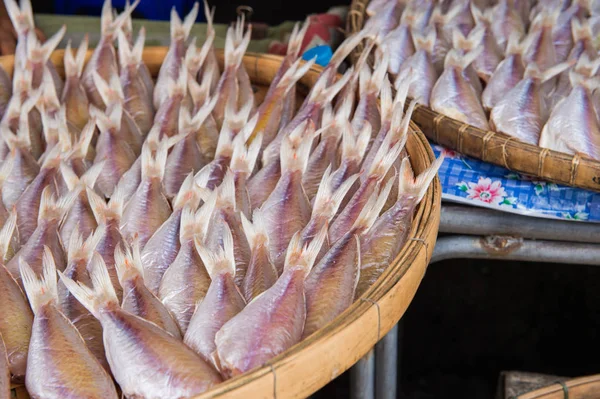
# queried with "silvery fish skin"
point(454, 96)
point(207, 135)
point(108, 216)
point(540, 46)
point(382, 243)
point(104, 59)
point(59, 364)
point(243, 162)
point(162, 248)
point(369, 87)
point(147, 361)
point(222, 302)
point(509, 72)
point(561, 32)
point(505, 21)
point(399, 44)
point(73, 95)
point(80, 216)
point(524, 110)
point(46, 234)
point(138, 101)
point(263, 182)
point(577, 116)
point(166, 119)
point(331, 283)
point(287, 209)
point(265, 322)
point(116, 155)
point(5, 91)
point(261, 273)
point(79, 255)
point(465, 44)
point(24, 170)
point(171, 68)
point(186, 281)
point(15, 325)
point(443, 42)
point(492, 54)
point(386, 18)
point(4, 372)
point(137, 298)
point(149, 207)
point(21, 112)
point(226, 219)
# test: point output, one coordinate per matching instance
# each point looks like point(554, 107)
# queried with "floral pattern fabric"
point(474, 182)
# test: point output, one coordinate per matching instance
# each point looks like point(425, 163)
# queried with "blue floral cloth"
point(473, 182)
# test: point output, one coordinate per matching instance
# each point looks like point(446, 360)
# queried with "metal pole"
point(362, 377)
point(479, 221)
point(515, 248)
point(386, 365)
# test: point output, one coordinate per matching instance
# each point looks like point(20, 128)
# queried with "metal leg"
point(386, 365)
point(362, 378)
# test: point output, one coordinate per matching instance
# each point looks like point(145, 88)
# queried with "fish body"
point(4, 372)
point(73, 95)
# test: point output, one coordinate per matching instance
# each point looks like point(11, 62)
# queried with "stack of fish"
point(197, 234)
point(525, 68)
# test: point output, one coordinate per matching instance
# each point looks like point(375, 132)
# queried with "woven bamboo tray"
point(496, 148)
point(311, 364)
point(578, 388)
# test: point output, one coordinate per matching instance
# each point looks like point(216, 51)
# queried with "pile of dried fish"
point(525, 68)
point(196, 233)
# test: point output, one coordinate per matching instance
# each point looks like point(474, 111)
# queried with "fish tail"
point(454, 58)
point(386, 156)
point(201, 92)
point(117, 201)
point(7, 232)
point(294, 74)
point(354, 147)
point(210, 16)
point(188, 194)
point(193, 124)
point(51, 208)
point(154, 166)
point(110, 92)
point(110, 121)
point(581, 29)
point(124, 50)
point(111, 25)
point(103, 293)
point(16, 14)
point(296, 39)
point(533, 71)
point(82, 146)
point(328, 200)
point(190, 19)
point(69, 176)
point(220, 261)
point(6, 168)
point(179, 86)
point(78, 248)
point(128, 261)
point(298, 255)
point(91, 175)
point(425, 41)
point(255, 231)
point(50, 44)
point(403, 82)
point(345, 48)
point(417, 187)
point(234, 49)
point(127, 26)
point(203, 216)
point(244, 157)
point(74, 64)
point(379, 75)
point(373, 208)
point(515, 45)
point(323, 94)
point(295, 149)
point(194, 58)
point(386, 100)
point(44, 290)
point(226, 191)
point(98, 205)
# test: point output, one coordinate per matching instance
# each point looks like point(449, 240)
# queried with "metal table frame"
point(503, 236)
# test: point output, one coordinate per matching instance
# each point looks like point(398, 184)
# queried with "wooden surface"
point(496, 148)
point(514, 383)
point(578, 388)
point(326, 354)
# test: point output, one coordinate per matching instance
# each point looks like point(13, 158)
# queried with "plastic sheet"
point(473, 182)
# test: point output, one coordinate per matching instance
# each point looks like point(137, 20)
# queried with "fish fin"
point(533, 71)
point(477, 13)
point(53, 158)
point(244, 157)
point(75, 245)
point(69, 176)
point(124, 50)
point(21, 18)
point(255, 231)
point(386, 100)
point(226, 191)
point(346, 47)
point(417, 187)
point(6, 233)
point(56, 208)
point(372, 208)
point(426, 40)
point(98, 205)
point(82, 146)
point(52, 43)
point(295, 149)
point(204, 214)
point(40, 291)
point(581, 30)
point(234, 53)
point(201, 178)
point(327, 200)
point(297, 38)
point(220, 261)
point(111, 92)
point(454, 58)
point(101, 295)
point(188, 194)
point(178, 86)
point(210, 16)
point(324, 94)
point(354, 147)
point(297, 255)
point(111, 25)
point(91, 175)
point(188, 225)
point(128, 261)
point(204, 112)
point(201, 92)
point(294, 74)
point(190, 19)
point(154, 166)
point(194, 59)
point(379, 73)
point(514, 44)
point(6, 168)
point(386, 156)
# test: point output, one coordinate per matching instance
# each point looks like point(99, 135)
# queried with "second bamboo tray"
point(489, 146)
point(317, 360)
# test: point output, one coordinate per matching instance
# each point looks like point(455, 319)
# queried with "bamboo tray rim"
point(580, 387)
point(370, 317)
point(494, 147)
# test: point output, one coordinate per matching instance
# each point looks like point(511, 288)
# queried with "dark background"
point(472, 319)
